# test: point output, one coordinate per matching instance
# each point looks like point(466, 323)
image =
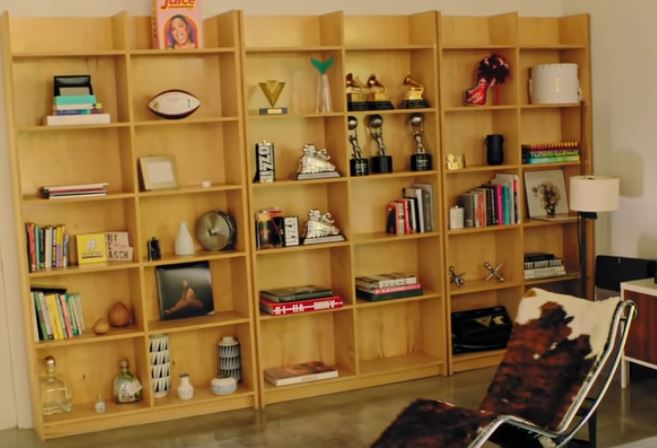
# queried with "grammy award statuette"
point(382, 162)
point(358, 166)
point(421, 160)
point(272, 90)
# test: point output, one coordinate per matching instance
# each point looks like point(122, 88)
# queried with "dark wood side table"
point(641, 347)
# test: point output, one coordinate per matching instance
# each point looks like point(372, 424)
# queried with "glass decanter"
point(127, 387)
point(55, 394)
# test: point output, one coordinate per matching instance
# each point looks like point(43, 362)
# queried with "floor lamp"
point(590, 195)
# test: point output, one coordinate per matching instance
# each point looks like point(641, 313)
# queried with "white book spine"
point(68, 120)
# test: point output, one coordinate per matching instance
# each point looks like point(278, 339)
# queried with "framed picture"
point(185, 290)
point(158, 172)
point(546, 194)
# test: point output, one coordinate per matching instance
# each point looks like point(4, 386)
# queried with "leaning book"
point(299, 373)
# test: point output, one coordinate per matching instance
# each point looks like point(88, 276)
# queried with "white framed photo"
point(546, 194)
point(158, 172)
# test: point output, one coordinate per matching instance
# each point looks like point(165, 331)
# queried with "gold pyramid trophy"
point(272, 90)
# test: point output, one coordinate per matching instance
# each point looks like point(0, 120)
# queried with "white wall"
point(625, 118)
point(14, 406)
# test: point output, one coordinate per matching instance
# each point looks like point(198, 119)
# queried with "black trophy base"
point(381, 164)
point(273, 111)
point(421, 162)
point(414, 104)
point(380, 105)
point(359, 167)
point(357, 106)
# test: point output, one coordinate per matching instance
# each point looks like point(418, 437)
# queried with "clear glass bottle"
point(127, 387)
point(55, 394)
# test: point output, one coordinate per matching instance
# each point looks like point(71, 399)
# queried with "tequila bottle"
point(55, 394)
point(127, 387)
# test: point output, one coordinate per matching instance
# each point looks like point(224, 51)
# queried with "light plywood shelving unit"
point(126, 73)
point(369, 343)
point(523, 42)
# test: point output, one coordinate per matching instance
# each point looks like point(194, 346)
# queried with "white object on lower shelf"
point(71, 120)
point(223, 386)
point(185, 389)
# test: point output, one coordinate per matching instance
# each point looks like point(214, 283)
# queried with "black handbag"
point(480, 329)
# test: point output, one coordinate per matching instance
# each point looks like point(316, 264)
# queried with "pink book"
point(177, 24)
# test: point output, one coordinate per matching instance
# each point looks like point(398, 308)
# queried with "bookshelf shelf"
point(183, 52)
point(561, 278)
point(89, 337)
point(469, 231)
point(80, 127)
point(219, 319)
point(474, 286)
point(203, 395)
point(264, 316)
point(293, 49)
point(189, 190)
point(38, 200)
point(481, 168)
point(84, 269)
point(428, 295)
point(312, 247)
point(298, 183)
point(382, 237)
point(169, 259)
point(545, 166)
point(399, 363)
point(394, 175)
point(67, 54)
point(186, 121)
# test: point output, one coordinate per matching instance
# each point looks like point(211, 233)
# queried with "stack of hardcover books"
point(299, 373)
point(298, 299)
point(80, 190)
point(57, 314)
point(76, 109)
point(543, 265)
point(413, 213)
point(551, 153)
point(494, 203)
point(395, 285)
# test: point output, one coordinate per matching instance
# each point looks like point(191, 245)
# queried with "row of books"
point(80, 190)
point(551, 152)
point(76, 109)
point(395, 285)
point(298, 299)
point(47, 246)
point(57, 315)
point(539, 265)
point(494, 203)
point(413, 212)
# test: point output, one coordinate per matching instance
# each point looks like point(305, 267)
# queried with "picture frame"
point(68, 85)
point(546, 194)
point(158, 173)
point(185, 290)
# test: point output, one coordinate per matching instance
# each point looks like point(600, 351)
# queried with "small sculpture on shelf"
point(127, 387)
point(324, 103)
point(413, 98)
point(356, 94)
point(321, 229)
point(119, 315)
point(492, 71)
point(378, 95)
point(494, 272)
point(185, 389)
point(272, 90)
point(456, 279)
point(314, 164)
point(154, 250)
point(455, 161)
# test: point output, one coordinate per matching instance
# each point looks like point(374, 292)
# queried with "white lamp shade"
point(594, 193)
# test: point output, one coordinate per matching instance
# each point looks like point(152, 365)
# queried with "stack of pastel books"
point(80, 190)
point(394, 285)
point(76, 109)
point(551, 153)
point(298, 299)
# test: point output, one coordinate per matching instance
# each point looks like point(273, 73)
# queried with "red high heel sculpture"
point(492, 71)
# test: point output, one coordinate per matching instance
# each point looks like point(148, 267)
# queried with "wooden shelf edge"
point(115, 334)
point(264, 317)
point(37, 200)
point(483, 168)
point(79, 127)
point(189, 190)
point(479, 360)
point(382, 237)
point(484, 229)
point(168, 259)
point(396, 175)
point(301, 248)
point(561, 278)
point(481, 286)
point(85, 269)
point(297, 183)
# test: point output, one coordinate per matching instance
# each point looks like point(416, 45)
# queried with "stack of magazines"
point(80, 190)
point(298, 299)
point(394, 285)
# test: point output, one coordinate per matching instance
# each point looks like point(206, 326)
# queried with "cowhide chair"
point(559, 346)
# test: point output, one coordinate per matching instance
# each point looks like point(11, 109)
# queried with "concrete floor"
point(352, 419)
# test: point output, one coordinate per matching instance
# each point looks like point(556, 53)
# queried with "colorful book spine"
point(392, 289)
point(285, 308)
point(74, 99)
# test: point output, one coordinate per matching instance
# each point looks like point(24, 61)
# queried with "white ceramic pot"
point(184, 242)
point(554, 84)
point(185, 389)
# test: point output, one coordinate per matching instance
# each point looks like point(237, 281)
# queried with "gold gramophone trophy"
point(272, 90)
point(413, 98)
point(356, 94)
point(378, 97)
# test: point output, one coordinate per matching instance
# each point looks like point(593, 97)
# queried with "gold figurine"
point(356, 93)
point(378, 96)
point(413, 99)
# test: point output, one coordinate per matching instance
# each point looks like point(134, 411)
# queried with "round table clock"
point(216, 230)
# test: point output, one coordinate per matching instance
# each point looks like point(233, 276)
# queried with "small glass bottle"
point(55, 394)
point(127, 387)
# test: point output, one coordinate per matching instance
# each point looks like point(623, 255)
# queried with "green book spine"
point(75, 99)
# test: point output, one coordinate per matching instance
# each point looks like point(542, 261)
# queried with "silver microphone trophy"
point(382, 162)
point(421, 160)
point(358, 166)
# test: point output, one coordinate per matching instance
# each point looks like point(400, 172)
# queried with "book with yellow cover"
point(92, 248)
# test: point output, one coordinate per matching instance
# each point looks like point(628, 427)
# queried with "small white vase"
point(185, 389)
point(184, 242)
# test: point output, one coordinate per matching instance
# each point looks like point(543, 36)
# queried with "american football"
point(174, 104)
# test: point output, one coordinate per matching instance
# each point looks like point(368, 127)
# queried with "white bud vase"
point(185, 389)
point(184, 242)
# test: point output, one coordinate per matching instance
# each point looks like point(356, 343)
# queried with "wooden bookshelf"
point(369, 343)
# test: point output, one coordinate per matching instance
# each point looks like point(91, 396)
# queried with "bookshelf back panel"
point(509, 298)
point(301, 339)
point(284, 31)
point(478, 31)
point(465, 133)
point(550, 125)
point(196, 74)
point(394, 256)
point(196, 353)
point(213, 144)
point(394, 330)
point(503, 247)
point(557, 240)
point(459, 73)
point(288, 137)
point(572, 30)
point(326, 267)
point(43, 34)
point(100, 291)
point(161, 216)
point(33, 85)
point(75, 157)
point(391, 67)
point(300, 77)
point(90, 375)
point(370, 198)
point(228, 292)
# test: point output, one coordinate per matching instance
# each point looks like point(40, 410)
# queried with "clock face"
point(215, 231)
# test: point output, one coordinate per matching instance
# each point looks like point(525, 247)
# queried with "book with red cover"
point(299, 373)
point(300, 306)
